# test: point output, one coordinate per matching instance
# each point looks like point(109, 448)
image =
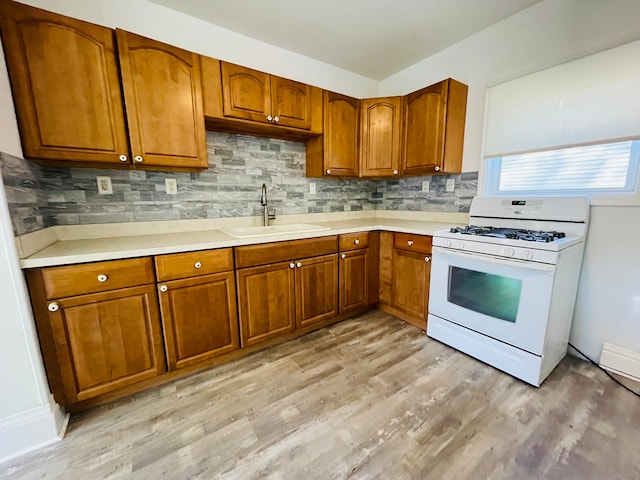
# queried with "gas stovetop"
point(510, 233)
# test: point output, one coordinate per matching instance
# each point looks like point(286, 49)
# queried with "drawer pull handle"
point(102, 278)
point(410, 242)
point(292, 265)
point(427, 259)
point(197, 265)
point(163, 288)
point(356, 242)
point(298, 264)
point(53, 307)
point(344, 255)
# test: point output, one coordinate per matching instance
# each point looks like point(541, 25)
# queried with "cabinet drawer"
point(412, 243)
point(72, 280)
point(192, 264)
point(252, 255)
point(354, 241)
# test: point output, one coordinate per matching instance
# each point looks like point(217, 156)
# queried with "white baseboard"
point(31, 429)
point(621, 360)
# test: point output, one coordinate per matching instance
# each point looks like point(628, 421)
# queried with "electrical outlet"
point(171, 186)
point(451, 185)
point(425, 186)
point(312, 188)
point(104, 185)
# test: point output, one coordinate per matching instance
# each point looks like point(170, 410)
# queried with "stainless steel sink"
point(260, 231)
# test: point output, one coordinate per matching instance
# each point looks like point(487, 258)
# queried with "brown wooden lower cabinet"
point(354, 281)
point(405, 270)
point(316, 290)
point(266, 301)
point(199, 318)
point(99, 326)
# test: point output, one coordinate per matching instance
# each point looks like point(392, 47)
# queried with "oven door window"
point(494, 295)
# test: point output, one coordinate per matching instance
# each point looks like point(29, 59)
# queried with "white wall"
point(550, 33)
point(546, 34)
point(28, 417)
point(161, 23)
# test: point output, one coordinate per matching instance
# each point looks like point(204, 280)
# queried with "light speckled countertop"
point(64, 252)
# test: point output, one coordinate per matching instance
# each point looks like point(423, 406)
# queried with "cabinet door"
point(316, 289)
point(266, 302)
point(341, 134)
point(246, 93)
point(290, 103)
point(424, 116)
point(354, 280)
point(66, 86)
point(410, 285)
point(381, 125)
point(163, 97)
point(107, 340)
point(199, 318)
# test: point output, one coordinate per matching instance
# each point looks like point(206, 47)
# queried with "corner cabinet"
point(285, 286)
point(198, 305)
point(66, 81)
point(434, 120)
point(98, 326)
point(405, 271)
point(336, 152)
point(381, 137)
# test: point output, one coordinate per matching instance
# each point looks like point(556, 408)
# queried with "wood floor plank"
point(371, 397)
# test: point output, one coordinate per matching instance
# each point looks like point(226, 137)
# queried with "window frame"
point(629, 195)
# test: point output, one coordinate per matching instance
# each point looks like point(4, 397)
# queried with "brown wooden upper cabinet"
point(381, 136)
point(71, 104)
point(240, 99)
point(336, 152)
point(434, 119)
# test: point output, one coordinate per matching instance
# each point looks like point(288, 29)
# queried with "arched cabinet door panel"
point(163, 98)
point(66, 86)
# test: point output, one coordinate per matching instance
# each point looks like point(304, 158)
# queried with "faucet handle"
point(272, 213)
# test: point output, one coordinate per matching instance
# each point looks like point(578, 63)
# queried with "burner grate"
point(510, 233)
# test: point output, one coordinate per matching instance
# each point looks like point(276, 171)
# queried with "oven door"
point(505, 299)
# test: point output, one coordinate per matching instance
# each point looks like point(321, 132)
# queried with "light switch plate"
point(312, 188)
point(171, 186)
point(104, 185)
point(425, 186)
point(451, 185)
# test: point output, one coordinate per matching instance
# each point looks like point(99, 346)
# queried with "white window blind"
point(593, 169)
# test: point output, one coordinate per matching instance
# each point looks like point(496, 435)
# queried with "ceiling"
point(373, 38)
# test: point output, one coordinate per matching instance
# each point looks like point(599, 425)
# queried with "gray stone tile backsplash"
point(39, 196)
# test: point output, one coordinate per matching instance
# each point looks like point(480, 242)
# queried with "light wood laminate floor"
point(371, 397)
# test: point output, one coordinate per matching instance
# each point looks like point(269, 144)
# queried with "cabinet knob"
point(138, 158)
point(437, 169)
point(356, 242)
point(427, 259)
point(163, 288)
point(410, 242)
point(197, 265)
point(395, 172)
point(292, 265)
point(344, 255)
point(102, 278)
point(328, 171)
point(276, 119)
point(269, 118)
point(298, 264)
point(123, 158)
point(53, 307)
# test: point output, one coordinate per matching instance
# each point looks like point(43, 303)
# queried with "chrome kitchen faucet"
point(268, 214)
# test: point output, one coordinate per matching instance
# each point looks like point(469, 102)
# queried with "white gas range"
point(503, 289)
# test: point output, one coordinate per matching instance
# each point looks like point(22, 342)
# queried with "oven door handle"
point(544, 267)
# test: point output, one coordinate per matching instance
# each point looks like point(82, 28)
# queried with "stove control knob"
point(509, 252)
point(528, 255)
point(449, 243)
point(459, 245)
